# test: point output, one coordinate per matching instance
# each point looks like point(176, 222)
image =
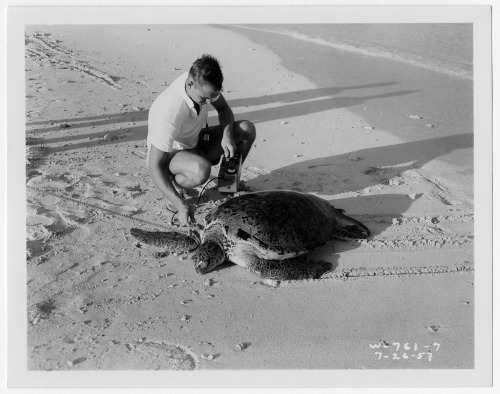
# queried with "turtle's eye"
point(201, 262)
point(201, 266)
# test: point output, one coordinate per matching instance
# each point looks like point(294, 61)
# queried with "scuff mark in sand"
point(48, 52)
point(149, 354)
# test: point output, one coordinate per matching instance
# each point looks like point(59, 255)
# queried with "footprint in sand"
point(45, 217)
point(419, 117)
point(41, 311)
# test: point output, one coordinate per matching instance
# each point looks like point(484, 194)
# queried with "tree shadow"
point(142, 115)
point(128, 134)
point(301, 95)
point(89, 121)
point(291, 106)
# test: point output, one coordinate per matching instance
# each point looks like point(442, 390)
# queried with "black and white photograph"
point(250, 191)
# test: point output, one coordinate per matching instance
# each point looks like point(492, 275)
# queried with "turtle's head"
point(208, 256)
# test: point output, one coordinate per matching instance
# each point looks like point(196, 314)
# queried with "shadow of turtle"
point(332, 260)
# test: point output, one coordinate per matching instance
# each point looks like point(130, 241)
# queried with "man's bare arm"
point(157, 164)
point(226, 121)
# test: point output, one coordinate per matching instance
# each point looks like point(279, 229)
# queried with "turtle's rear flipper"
point(296, 268)
point(349, 228)
point(171, 241)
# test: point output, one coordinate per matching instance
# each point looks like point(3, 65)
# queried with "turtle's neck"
point(214, 234)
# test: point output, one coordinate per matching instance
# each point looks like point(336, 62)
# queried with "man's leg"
point(189, 169)
point(244, 136)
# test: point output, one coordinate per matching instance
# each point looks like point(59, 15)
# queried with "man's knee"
point(247, 130)
point(191, 169)
point(200, 171)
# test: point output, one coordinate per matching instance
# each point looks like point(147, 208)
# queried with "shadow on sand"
point(355, 171)
point(292, 105)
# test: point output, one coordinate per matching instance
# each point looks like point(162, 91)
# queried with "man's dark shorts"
point(208, 138)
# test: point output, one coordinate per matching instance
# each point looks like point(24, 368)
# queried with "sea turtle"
point(267, 232)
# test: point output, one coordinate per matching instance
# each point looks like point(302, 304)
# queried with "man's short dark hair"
point(206, 70)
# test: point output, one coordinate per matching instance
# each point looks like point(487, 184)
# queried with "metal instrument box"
point(229, 174)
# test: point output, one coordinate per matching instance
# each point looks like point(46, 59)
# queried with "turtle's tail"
point(348, 228)
point(170, 241)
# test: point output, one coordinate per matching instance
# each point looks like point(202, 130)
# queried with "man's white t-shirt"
point(173, 122)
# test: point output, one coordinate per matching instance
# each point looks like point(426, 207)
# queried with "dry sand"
point(390, 144)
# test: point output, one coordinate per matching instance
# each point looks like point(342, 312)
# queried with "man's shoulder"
point(177, 85)
point(175, 89)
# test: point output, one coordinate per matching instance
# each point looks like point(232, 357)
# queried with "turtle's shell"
point(279, 224)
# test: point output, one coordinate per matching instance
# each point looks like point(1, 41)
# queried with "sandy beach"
point(390, 143)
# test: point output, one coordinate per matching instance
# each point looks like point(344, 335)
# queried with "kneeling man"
point(179, 153)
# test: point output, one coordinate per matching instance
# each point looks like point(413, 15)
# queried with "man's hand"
point(186, 214)
point(228, 145)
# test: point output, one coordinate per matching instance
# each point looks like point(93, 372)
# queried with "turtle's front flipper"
point(171, 241)
point(348, 228)
point(295, 268)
